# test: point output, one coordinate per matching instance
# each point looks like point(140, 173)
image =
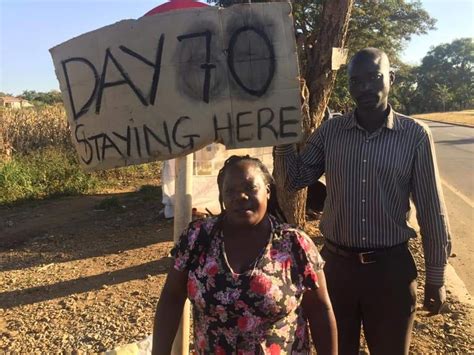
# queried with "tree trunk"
point(320, 78)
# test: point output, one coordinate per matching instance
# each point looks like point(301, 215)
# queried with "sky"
point(29, 28)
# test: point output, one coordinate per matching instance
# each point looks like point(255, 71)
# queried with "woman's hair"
point(273, 207)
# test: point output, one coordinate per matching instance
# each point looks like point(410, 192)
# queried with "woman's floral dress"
point(258, 311)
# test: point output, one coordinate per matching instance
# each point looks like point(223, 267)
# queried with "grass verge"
point(54, 172)
point(465, 117)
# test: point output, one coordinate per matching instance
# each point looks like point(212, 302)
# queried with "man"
point(374, 160)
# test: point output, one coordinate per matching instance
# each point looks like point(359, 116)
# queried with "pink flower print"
point(260, 285)
point(300, 331)
point(283, 258)
point(245, 352)
point(222, 313)
point(241, 305)
point(303, 242)
point(287, 264)
point(309, 271)
point(192, 288)
point(274, 349)
point(193, 236)
point(211, 268)
point(291, 303)
point(179, 264)
point(202, 256)
point(247, 323)
point(219, 350)
point(201, 343)
point(229, 296)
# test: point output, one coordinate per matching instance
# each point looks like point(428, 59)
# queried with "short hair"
point(369, 52)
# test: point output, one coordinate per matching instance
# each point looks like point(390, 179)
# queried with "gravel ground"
point(78, 277)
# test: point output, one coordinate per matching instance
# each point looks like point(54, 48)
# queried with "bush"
point(43, 173)
point(38, 160)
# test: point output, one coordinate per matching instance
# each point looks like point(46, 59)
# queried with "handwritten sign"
point(169, 84)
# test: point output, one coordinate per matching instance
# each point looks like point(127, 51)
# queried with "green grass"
point(45, 173)
point(54, 172)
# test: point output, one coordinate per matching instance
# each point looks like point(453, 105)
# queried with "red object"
point(175, 5)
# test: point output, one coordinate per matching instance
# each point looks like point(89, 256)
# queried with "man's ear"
point(268, 191)
point(391, 74)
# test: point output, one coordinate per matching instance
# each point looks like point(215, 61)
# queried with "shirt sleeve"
point(430, 210)
point(188, 248)
point(302, 169)
point(308, 261)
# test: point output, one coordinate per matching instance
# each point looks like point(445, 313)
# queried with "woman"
point(255, 283)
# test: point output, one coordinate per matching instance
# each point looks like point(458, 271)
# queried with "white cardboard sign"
point(169, 84)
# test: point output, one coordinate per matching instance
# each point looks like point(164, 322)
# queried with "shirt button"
point(366, 141)
point(363, 181)
point(363, 219)
point(365, 160)
point(363, 238)
point(363, 201)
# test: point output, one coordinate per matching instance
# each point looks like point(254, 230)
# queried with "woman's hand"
point(169, 311)
point(322, 323)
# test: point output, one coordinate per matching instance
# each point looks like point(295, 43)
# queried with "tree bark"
point(320, 79)
point(320, 76)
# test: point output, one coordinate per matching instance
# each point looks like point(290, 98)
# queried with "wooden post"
point(182, 217)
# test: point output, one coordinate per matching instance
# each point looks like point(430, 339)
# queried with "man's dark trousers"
point(377, 291)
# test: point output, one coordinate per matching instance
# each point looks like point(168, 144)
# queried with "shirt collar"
point(393, 121)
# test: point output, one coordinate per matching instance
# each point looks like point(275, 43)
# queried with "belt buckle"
point(362, 259)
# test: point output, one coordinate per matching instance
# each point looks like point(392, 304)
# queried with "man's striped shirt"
point(370, 178)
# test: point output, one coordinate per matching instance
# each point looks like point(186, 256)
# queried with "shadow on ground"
point(51, 230)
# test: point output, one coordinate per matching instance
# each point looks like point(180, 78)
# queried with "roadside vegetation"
point(457, 117)
point(38, 160)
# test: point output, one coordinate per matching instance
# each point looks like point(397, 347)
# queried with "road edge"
point(444, 122)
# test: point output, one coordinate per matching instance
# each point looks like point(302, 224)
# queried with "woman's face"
point(245, 194)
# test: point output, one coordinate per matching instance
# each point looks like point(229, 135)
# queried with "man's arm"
point(301, 169)
point(433, 221)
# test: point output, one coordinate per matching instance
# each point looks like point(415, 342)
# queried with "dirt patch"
point(85, 273)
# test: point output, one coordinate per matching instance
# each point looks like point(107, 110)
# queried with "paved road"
point(455, 152)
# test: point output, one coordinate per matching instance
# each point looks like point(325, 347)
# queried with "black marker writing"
point(88, 103)
point(270, 59)
point(207, 66)
point(126, 80)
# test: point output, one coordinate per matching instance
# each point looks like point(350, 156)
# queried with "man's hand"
point(435, 298)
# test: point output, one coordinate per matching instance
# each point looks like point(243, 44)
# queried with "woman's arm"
point(169, 311)
point(322, 323)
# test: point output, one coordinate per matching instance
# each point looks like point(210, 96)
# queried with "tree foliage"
point(385, 24)
point(404, 94)
point(445, 78)
point(42, 98)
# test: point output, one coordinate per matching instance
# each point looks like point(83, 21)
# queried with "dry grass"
point(38, 160)
point(27, 130)
point(460, 117)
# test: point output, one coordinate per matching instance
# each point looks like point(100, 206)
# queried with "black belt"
point(365, 257)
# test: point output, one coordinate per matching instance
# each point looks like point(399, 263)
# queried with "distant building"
point(14, 102)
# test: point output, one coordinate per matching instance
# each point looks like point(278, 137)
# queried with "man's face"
point(369, 82)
